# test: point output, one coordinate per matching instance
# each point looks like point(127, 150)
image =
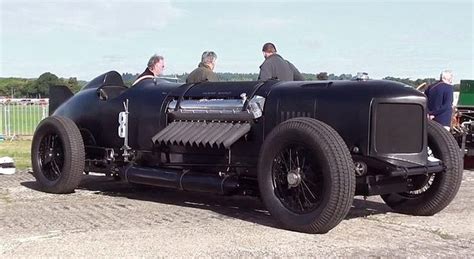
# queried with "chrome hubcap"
point(294, 178)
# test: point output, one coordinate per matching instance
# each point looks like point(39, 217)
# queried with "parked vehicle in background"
point(463, 121)
point(43, 102)
point(26, 102)
point(4, 100)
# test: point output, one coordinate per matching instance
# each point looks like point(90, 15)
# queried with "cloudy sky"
point(84, 38)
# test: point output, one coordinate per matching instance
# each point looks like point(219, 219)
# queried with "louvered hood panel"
point(202, 133)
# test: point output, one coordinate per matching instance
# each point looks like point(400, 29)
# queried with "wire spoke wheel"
point(306, 175)
point(431, 193)
point(297, 184)
point(421, 183)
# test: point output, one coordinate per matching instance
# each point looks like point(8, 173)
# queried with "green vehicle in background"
point(463, 121)
point(466, 95)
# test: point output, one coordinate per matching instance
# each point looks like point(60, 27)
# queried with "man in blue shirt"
point(440, 99)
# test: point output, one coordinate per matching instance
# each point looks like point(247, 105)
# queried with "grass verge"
point(19, 150)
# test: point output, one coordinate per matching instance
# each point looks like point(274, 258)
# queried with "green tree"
point(13, 87)
point(29, 89)
point(413, 83)
point(72, 84)
point(129, 78)
point(40, 87)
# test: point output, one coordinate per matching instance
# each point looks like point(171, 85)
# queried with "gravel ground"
point(106, 218)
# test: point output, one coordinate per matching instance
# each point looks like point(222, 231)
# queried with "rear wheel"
point(57, 155)
point(432, 192)
point(306, 175)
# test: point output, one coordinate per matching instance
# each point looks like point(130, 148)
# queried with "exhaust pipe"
point(180, 179)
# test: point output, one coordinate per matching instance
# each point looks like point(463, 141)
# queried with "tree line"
point(38, 88)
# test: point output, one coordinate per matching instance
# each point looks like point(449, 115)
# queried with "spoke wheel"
point(306, 175)
point(432, 193)
point(51, 155)
point(297, 181)
point(57, 155)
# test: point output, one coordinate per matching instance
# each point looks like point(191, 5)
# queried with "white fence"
point(19, 117)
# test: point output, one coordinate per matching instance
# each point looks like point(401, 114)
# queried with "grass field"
point(19, 150)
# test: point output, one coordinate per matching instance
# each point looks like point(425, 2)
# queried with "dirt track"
point(108, 218)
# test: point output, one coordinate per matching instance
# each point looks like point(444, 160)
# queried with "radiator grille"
point(398, 128)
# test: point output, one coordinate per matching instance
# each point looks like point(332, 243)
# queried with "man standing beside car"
point(205, 70)
point(156, 65)
point(275, 67)
point(440, 99)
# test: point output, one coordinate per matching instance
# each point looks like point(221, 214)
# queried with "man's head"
point(268, 49)
point(322, 76)
point(447, 77)
point(156, 64)
point(209, 58)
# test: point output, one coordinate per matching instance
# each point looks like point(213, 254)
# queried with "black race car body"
point(305, 147)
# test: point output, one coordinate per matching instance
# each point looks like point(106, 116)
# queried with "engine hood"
point(236, 90)
point(219, 90)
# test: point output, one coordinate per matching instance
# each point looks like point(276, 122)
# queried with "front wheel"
point(57, 155)
point(306, 175)
point(433, 192)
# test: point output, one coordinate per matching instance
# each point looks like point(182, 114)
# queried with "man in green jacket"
point(204, 71)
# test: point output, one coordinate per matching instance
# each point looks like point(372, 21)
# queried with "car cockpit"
point(112, 85)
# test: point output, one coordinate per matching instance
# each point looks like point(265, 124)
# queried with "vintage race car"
point(306, 148)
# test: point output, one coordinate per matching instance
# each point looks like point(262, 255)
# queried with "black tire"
point(435, 191)
point(312, 197)
point(57, 155)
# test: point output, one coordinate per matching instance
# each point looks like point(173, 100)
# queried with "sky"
point(85, 38)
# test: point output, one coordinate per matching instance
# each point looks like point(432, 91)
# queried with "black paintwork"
point(347, 106)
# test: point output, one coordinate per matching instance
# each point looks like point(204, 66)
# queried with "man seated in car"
point(155, 67)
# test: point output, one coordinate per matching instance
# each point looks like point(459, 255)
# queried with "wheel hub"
point(360, 168)
point(294, 178)
point(49, 156)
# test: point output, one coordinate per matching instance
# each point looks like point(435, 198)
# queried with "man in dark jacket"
point(275, 67)
point(440, 99)
point(204, 72)
point(155, 67)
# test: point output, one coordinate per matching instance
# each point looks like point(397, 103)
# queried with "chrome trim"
point(220, 106)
